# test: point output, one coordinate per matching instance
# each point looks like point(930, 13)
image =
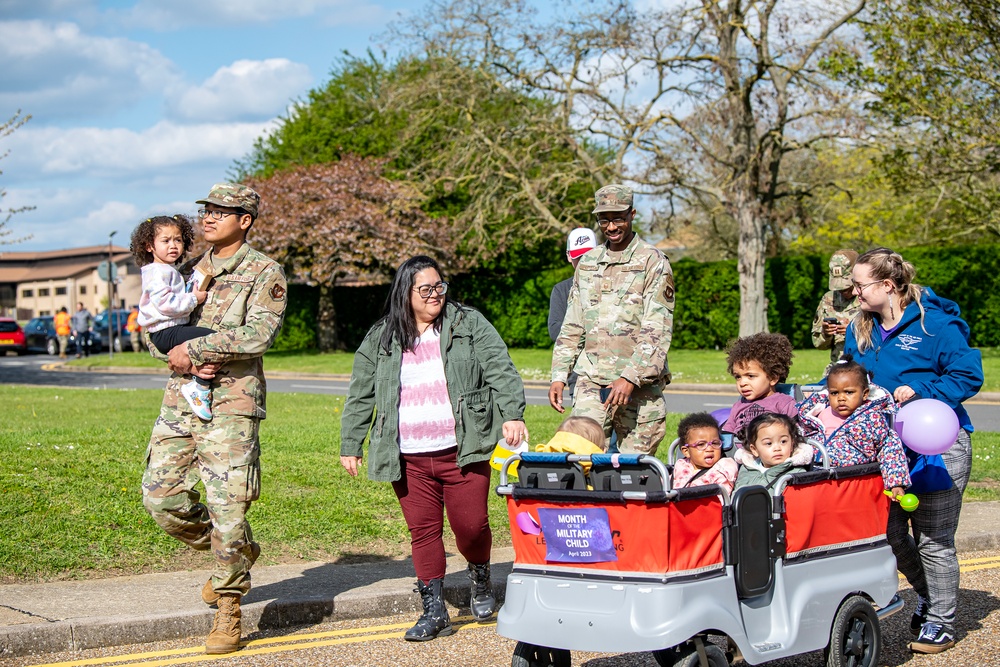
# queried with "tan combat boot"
point(208, 594)
point(225, 634)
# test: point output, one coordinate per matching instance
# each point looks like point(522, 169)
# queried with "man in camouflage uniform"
point(245, 306)
point(619, 320)
point(838, 304)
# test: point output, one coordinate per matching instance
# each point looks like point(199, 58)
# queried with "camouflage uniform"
point(619, 321)
point(245, 306)
point(835, 304)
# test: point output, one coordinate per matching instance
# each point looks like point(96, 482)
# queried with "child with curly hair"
point(758, 362)
point(157, 245)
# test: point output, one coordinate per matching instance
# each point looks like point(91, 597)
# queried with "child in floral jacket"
point(853, 416)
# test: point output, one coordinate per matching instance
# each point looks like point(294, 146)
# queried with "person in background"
point(134, 330)
point(433, 389)
point(617, 330)
point(63, 329)
point(580, 241)
point(837, 307)
point(82, 323)
point(916, 345)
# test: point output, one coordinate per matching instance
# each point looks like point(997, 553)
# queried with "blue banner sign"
point(577, 535)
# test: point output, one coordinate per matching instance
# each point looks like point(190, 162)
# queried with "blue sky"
point(139, 107)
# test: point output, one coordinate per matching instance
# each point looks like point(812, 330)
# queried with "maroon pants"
point(432, 483)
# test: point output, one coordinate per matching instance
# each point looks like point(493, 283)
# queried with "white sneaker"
point(199, 398)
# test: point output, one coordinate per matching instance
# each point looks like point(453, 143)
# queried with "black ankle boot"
point(435, 621)
point(481, 600)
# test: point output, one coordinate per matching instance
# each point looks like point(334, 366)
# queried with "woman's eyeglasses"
point(425, 291)
point(860, 287)
point(702, 445)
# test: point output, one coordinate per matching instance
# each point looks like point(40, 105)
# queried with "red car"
point(11, 336)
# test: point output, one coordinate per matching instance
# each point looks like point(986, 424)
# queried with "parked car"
point(40, 336)
point(11, 336)
point(119, 327)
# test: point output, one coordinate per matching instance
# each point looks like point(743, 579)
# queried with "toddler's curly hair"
point(771, 350)
point(145, 233)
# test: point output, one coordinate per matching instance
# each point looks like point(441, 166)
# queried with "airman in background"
point(837, 307)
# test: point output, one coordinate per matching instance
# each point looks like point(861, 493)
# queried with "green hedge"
point(513, 292)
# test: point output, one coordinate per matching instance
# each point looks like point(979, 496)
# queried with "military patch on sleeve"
point(668, 288)
point(277, 293)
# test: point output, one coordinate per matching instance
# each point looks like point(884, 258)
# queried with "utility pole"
point(111, 284)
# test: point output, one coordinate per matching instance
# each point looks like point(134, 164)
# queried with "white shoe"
point(199, 398)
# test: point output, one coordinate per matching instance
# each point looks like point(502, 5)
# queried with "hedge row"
point(513, 292)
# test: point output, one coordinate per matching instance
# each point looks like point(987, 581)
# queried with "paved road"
point(28, 370)
point(379, 641)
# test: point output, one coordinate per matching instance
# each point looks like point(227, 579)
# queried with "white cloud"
point(247, 89)
point(96, 152)
point(159, 15)
point(55, 70)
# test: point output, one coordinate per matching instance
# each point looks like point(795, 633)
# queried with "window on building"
point(43, 291)
point(42, 313)
point(83, 289)
point(60, 291)
point(27, 293)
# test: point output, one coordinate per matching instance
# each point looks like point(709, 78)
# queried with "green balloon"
point(908, 502)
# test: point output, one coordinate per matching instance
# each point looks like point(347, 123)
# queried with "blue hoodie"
point(936, 363)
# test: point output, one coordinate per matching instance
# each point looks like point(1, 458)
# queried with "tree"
point(698, 104)
point(500, 163)
point(6, 128)
point(323, 222)
point(934, 84)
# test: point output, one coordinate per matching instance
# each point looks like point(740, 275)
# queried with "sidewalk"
point(77, 615)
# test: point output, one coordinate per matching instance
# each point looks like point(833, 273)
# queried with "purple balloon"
point(927, 426)
point(721, 415)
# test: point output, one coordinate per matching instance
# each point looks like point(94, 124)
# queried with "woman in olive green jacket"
point(433, 388)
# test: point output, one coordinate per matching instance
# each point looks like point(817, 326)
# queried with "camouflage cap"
point(841, 264)
point(233, 195)
point(613, 198)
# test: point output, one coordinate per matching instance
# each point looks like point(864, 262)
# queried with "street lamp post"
point(111, 282)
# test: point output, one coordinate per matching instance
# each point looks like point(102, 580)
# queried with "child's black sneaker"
point(933, 638)
point(919, 616)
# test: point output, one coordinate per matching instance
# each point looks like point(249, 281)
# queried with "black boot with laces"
point(481, 600)
point(435, 621)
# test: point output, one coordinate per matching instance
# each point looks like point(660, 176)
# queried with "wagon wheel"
point(686, 655)
point(529, 655)
point(856, 637)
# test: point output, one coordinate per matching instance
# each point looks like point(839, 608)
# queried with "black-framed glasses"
point(214, 215)
point(426, 291)
point(702, 445)
point(860, 287)
point(617, 222)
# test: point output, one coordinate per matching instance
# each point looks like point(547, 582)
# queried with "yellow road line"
point(262, 646)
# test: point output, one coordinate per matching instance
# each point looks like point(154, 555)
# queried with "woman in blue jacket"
point(917, 346)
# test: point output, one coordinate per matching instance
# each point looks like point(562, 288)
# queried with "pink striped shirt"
point(426, 418)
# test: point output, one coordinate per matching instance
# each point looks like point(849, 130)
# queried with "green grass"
point(71, 463)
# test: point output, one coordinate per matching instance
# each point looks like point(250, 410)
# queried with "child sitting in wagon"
point(773, 446)
point(853, 417)
point(703, 462)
